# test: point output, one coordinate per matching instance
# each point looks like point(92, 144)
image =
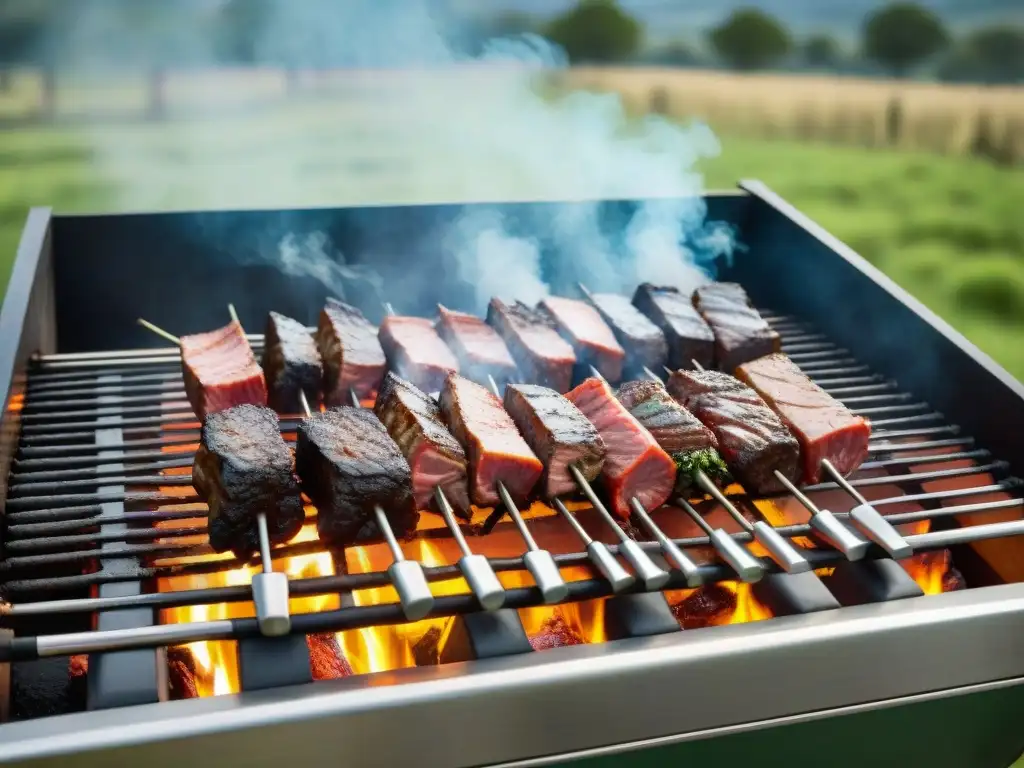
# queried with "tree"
point(902, 35)
point(821, 51)
point(990, 55)
point(240, 27)
point(597, 31)
point(750, 39)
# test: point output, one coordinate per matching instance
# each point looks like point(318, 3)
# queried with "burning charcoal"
point(689, 337)
point(496, 450)
point(558, 433)
point(542, 356)
point(436, 458)
point(243, 467)
point(591, 338)
point(326, 659)
point(291, 363)
point(555, 633)
point(824, 427)
point(220, 370)
point(427, 651)
point(751, 438)
point(741, 334)
point(643, 341)
point(953, 580)
point(415, 351)
point(705, 607)
point(181, 674)
point(351, 353)
point(481, 352)
point(348, 464)
point(692, 446)
point(635, 466)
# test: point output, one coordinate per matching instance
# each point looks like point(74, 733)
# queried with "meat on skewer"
point(741, 334)
point(688, 334)
point(591, 338)
point(496, 450)
point(635, 465)
point(558, 433)
point(413, 420)
point(643, 341)
point(352, 356)
point(824, 427)
point(542, 356)
point(751, 438)
point(291, 364)
point(692, 446)
point(243, 468)
point(415, 351)
point(349, 465)
point(481, 352)
point(220, 370)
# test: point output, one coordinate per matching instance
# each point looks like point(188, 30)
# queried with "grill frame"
point(894, 640)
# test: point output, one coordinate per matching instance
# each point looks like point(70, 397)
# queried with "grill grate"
point(70, 493)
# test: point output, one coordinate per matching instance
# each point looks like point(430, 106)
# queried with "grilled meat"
point(542, 356)
point(635, 465)
point(220, 370)
point(741, 334)
point(414, 422)
point(291, 363)
point(692, 446)
point(824, 427)
point(643, 341)
point(558, 433)
point(348, 464)
point(591, 338)
point(496, 450)
point(415, 351)
point(751, 438)
point(351, 353)
point(689, 336)
point(481, 352)
point(243, 467)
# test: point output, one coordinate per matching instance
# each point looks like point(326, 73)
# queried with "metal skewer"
point(599, 554)
point(829, 527)
point(672, 552)
point(269, 589)
point(475, 568)
point(747, 567)
point(869, 521)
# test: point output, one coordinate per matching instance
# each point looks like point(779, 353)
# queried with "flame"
point(727, 602)
point(934, 572)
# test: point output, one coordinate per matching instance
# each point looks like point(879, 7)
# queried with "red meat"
point(591, 338)
point(220, 371)
point(481, 352)
point(415, 352)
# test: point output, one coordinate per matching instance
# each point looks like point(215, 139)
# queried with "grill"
point(105, 561)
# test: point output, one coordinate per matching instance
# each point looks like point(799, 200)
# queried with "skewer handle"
point(482, 581)
point(837, 535)
point(609, 566)
point(413, 591)
point(747, 567)
point(653, 577)
point(870, 522)
point(672, 552)
point(544, 570)
point(270, 594)
point(779, 549)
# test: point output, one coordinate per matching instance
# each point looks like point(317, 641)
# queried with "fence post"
point(894, 121)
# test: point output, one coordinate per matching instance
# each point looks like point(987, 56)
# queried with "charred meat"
point(643, 341)
point(242, 468)
point(481, 352)
point(436, 458)
point(558, 433)
point(692, 446)
point(351, 353)
point(751, 438)
point(496, 450)
point(741, 334)
point(635, 465)
point(689, 336)
point(348, 464)
point(291, 363)
point(220, 371)
point(824, 427)
point(415, 351)
point(591, 338)
point(542, 356)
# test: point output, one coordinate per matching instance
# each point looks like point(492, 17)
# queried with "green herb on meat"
point(690, 463)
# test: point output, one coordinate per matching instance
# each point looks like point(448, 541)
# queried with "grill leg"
point(270, 662)
point(638, 616)
point(486, 635)
point(871, 581)
point(787, 594)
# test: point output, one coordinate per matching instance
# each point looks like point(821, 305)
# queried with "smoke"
point(453, 126)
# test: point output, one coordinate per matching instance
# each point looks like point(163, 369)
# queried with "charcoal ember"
point(348, 465)
point(220, 370)
point(326, 658)
point(556, 633)
point(542, 356)
point(705, 607)
point(481, 352)
point(181, 674)
point(291, 364)
point(558, 433)
point(426, 651)
point(953, 580)
point(243, 468)
point(592, 340)
point(352, 356)
point(741, 334)
point(688, 335)
point(643, 341)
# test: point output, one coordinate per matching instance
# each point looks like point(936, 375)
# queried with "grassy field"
point(949, 228)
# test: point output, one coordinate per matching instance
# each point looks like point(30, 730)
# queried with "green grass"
point(948, 229)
